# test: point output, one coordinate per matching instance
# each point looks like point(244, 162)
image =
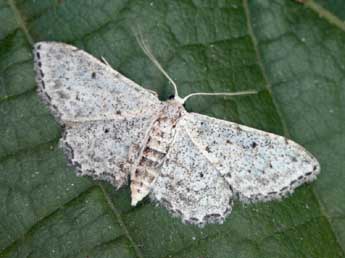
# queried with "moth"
point(192, 164)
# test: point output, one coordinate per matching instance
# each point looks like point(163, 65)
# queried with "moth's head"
point(176, 99)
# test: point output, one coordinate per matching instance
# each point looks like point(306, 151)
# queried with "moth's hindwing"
point(189, 184)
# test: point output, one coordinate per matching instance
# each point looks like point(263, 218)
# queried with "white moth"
point(192, 164)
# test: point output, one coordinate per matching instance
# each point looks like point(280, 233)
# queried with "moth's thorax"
point(155, 149)
point(172, 109)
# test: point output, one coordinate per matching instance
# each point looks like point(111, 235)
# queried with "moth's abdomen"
point(160, 138)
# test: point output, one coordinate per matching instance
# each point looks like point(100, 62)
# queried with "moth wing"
point(78, 87)
point(105, 150)
point(190, 186)
point(259, 166)
point(105, 115)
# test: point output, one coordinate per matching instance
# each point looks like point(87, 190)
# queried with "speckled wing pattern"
point(192, 164)
point(190, 186)
point(259, 166)
point(104, 113)
point(213, 161)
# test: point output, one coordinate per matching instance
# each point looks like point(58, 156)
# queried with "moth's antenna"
point(248, 92)
point(149, 54)
point(147, 51)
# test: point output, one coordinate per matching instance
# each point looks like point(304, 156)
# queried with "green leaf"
point(292, 53)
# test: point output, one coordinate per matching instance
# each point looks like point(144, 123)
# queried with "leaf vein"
point(21, 21)
point(121, 222)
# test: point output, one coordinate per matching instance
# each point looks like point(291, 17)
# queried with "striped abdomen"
point(153, 155)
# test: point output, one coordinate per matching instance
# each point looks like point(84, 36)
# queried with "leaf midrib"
point(21, 21)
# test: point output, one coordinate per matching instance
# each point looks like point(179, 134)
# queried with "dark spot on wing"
point(283, 189)
point(93, 75)
point(293, 182)
point(254, 144)
point(62, 94)
point(272, 193)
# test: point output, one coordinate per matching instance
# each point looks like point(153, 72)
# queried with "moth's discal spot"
point(118, 112)
point(253, 144)
point(106, 130)
point(93, 75)
point(62, 94)
point(208, 149)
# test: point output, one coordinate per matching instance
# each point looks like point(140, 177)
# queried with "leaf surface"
point(292, 53)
